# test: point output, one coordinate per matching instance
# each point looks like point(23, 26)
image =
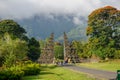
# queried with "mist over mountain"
point(78, 33)
point(41, 27)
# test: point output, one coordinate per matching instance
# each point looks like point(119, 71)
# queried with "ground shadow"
point(45, 72)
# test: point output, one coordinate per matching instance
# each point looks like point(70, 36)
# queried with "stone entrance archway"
point(47, 55)
point(69, 51)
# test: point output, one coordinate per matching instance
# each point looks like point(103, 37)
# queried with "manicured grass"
point(58, 73)
point(112, 65)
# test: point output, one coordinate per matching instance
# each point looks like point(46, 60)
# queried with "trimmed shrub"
point(13, 73)
point(17, 72)
point(31, 69)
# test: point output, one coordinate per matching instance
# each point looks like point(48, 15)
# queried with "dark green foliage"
point(34, 49)
point(1, 61)
point(11, 28)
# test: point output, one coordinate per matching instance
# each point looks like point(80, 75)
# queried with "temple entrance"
point(70, 53)
point(47, 54)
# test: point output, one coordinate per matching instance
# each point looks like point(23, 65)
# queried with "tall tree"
point(104, 30)
point(12, 44)
point(12, 50)
point(34, 49)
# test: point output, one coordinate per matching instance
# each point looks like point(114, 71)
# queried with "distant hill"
point(78, 33)
point(41, 27)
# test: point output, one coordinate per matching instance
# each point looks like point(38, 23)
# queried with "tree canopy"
point(34, 49)
point(12, 28)
point(104, 31)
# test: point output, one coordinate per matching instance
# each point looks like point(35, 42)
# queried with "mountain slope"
point(41, 27)
point(78, 33)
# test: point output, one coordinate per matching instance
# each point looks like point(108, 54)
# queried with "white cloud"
point(27, 8)
point(76, 20)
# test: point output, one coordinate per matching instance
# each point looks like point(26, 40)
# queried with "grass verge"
point(112, 65)
point(58, 73)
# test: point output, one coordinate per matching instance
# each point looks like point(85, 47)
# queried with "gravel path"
point(98, 74)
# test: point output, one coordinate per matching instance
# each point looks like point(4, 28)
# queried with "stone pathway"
point(98, 74)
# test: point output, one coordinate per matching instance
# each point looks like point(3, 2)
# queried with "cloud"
point(76, 20)
point(27, 8)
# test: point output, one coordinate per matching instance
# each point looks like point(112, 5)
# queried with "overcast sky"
point(27, 8)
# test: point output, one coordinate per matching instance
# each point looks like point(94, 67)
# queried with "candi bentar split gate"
point(47, 56)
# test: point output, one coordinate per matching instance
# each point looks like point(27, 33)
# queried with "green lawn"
point(113, 65)
point(58, 73)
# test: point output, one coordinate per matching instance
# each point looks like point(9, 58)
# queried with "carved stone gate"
point(47, 53)
point(70, 51)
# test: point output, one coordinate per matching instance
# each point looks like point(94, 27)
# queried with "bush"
point(117, 54)
point(13, 73)
point(31, 69)
point(17, 72)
